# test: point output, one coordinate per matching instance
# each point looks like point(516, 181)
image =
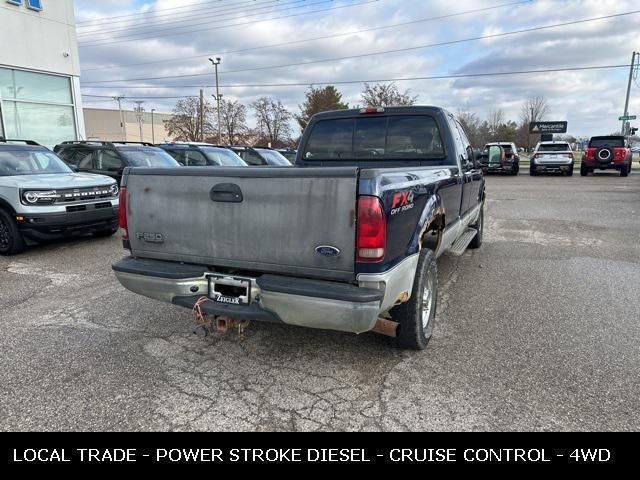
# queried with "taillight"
point(620, 154)
point(372, 230)
point(590, 153)
point(122, 212)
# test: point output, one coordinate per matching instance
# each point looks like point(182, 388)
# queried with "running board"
point(460, 245)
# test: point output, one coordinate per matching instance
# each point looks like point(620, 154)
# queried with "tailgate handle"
point(227, 193)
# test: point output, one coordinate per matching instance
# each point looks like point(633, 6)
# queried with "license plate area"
point(230, 290)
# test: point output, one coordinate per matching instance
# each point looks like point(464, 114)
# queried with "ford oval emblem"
point(327, 251)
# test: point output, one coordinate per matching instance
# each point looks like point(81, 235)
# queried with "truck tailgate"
point(265, 219)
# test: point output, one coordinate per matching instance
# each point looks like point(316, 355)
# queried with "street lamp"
point(153, 130)
point(215, 64)
point(122, 126)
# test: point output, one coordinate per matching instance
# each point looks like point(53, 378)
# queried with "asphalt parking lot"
point(538, 330)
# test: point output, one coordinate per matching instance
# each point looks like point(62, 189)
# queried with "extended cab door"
point(472, 172)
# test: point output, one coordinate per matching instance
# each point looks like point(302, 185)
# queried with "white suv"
point(552, 156)
point(41, 198)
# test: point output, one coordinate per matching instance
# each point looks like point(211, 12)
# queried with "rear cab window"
point(391, 137)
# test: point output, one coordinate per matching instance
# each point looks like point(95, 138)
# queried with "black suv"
point(260, 156)
point(111, 158)
point(288, 153)
point(202, 155)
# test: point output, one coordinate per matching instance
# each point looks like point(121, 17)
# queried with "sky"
point(126, 43)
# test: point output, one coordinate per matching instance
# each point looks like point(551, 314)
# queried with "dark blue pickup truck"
point(346, 240)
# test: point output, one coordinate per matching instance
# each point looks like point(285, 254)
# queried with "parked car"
point(111, 158)
point(262, 156)
point(288, 153)
point(350, 248)
point(41, 198)
point(552, 157)
point(606, 153)
point(202, 155)
point(509, 163)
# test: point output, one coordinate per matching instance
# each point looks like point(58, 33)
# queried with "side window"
point(108, 159)
point(468, 151)
point(457, 137)
point(178, 156)
point(84, 161)
point(251, 158)
point(195, 159)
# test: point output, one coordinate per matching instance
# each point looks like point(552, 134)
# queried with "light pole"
point(626, 103)
point(215, 64)
point(122, 127)
point(139, 115)
point(153, 130)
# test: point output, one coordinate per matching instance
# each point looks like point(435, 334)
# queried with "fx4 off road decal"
point(402, 201)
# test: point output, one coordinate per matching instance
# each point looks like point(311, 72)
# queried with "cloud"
point(590, 100)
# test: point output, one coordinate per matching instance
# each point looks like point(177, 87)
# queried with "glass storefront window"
point(46, 124)
point(36, 106)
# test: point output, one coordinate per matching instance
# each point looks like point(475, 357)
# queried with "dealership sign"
point(32, 4)
point(548, 127)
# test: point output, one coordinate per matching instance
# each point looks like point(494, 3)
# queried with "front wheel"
point(11, 241)
point(416, 317)
point(624, 171)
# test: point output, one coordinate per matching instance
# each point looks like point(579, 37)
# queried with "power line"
point(154, 26)
point(147, 12)
point(384, 52)
point(112, 42)
point(376, 80)
point(324, 37)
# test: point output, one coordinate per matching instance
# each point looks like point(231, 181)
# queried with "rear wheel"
point(584, 170)
point(11, 241)
point(532, 171)
point(624, 171)
point(106, 233)
point(416, 318)
point(570, 171)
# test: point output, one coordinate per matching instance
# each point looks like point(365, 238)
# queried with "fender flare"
point(7, 206)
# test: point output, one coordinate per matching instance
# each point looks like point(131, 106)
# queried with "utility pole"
point(215, 64)
point(139, 115)
point(122, 127)
point(626, 103)
point(153, 130)
point(201, 115)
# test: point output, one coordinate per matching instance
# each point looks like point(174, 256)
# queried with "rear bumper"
point(294, 301)
point(606, 166)
point(555, 166)
point(47, 226)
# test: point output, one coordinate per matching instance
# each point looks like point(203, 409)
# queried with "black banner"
point(548, 127)
point(470, 451)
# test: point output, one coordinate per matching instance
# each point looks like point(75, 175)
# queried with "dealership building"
point(39, 72)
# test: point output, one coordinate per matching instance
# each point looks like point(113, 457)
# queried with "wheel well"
point(432, 233)
point(4, 205)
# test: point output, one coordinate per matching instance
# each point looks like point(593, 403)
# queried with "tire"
point(514, 170)
point(11, 241)
point(624, 171)
point(479, 226)
point(584, 170)
point(570, 172)
point(106, 233)
point(413, 333)
point(532, 171)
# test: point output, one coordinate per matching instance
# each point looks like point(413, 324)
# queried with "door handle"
point(226, 193)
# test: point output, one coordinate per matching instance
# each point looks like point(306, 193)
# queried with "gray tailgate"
point(284, 215)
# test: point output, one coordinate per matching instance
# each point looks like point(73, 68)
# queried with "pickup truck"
point(345, 240)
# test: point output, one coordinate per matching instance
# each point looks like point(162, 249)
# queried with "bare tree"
point(273, 120)
point(471, 124)
point(185, 122)
point(233, 116)
point(496, 121)
point(386, 95)
point(534, 109)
